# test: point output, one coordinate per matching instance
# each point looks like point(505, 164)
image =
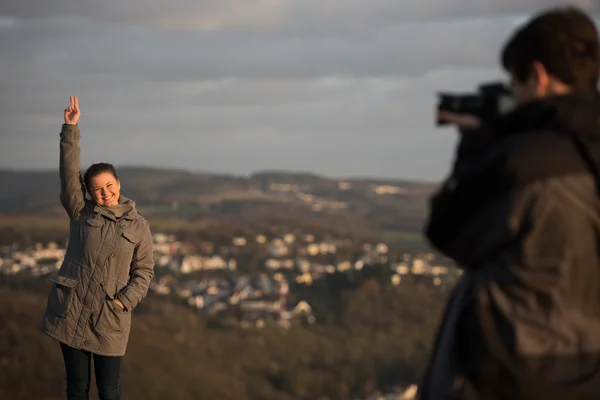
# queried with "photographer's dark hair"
point(97, 169)
point(564, 40)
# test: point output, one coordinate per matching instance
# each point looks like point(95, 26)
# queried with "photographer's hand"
point(463, 122)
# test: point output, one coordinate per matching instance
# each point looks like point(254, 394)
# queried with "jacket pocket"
point(131, 235)
point(90, 227)
point(97, 222)
point(61, 295)
point(112, 318)
point(128, 240)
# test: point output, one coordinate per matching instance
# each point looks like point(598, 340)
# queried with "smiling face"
point(105, 189)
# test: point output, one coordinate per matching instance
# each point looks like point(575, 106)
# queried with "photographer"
point(520, 214)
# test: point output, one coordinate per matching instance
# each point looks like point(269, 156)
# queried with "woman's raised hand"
point(72, 113)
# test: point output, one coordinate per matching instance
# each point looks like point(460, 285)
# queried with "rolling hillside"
point(264, 198)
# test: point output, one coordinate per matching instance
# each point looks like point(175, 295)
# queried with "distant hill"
point(265, 197)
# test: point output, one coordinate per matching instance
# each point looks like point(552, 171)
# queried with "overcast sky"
point(337, 87)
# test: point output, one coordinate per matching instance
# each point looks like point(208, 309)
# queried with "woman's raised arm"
point(72, 188)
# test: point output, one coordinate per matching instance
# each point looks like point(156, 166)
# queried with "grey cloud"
point(311, 14)
point(336, 87)
point(119, 52)
point(355, 128)
point(150, 55)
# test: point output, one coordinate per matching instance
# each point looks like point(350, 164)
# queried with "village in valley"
point(217, 282)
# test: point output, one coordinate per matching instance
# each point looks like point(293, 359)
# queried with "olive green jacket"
point(107, 258)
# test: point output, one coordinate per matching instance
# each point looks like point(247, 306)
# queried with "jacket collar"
point(131, 215)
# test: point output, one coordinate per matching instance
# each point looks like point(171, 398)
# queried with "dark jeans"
point(78, 365)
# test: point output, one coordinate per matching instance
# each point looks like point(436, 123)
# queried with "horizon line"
point(232, 174)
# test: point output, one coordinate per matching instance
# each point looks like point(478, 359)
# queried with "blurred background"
point(283, 151)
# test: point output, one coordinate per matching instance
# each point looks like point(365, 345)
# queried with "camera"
point(492, 100)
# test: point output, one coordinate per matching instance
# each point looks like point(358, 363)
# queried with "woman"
point(106, 272)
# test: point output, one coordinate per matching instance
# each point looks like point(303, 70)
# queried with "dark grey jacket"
point(520, 213)
point(106, 259)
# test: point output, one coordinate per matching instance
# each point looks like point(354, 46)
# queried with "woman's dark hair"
point(564, 40)
point(97, 169)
